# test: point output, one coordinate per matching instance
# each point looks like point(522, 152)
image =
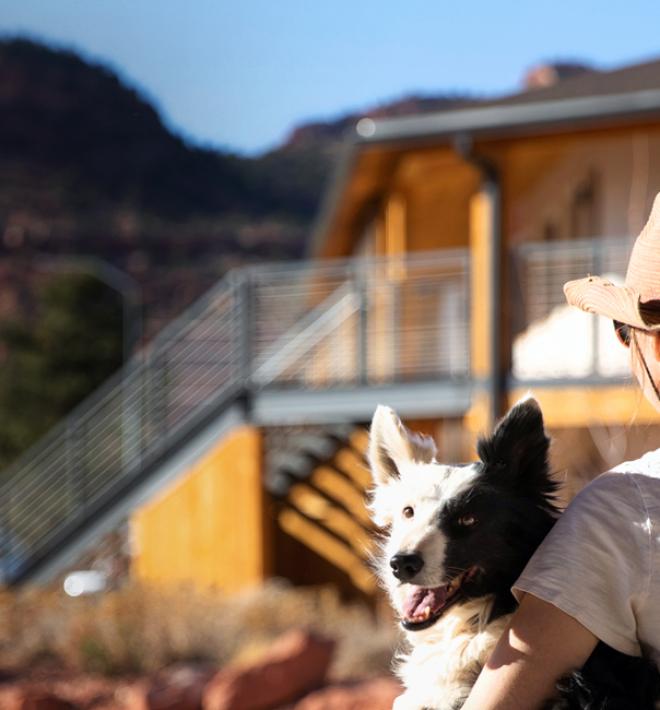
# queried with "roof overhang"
point(380, 142)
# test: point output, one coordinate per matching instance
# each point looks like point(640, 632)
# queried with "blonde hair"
point(636, 352)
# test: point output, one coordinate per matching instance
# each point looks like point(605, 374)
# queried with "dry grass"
point(140, 629)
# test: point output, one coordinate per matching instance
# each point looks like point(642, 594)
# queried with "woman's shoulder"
point(623, 487)
point(647, 465)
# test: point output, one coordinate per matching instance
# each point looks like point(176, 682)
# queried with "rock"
point(176, 688)
point(375, 694)
point(10, 697)
point(179, 688)
point(7, 675)
point(84, 690)
point(38, 700)
point(295, 664)
point(49, 683)
point(133, 696)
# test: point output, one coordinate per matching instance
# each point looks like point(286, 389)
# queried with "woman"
point(597, 574)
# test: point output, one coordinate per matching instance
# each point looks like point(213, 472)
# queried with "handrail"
point(341, 303)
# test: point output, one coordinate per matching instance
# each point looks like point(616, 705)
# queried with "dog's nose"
point(405, 567)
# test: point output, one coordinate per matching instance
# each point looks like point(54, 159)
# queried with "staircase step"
point(332, 517)
point(341, 489)
point(328, 547)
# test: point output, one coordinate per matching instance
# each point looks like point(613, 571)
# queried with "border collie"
point(457, 538)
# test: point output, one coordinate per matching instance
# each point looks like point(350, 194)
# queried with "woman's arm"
point(540, 645)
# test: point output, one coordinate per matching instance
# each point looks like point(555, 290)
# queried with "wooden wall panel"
point(209, 527)
point(437, 186)
point(575, 406)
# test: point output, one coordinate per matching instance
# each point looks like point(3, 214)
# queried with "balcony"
point(553, 342)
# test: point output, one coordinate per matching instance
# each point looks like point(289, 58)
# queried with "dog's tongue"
point(420, 597)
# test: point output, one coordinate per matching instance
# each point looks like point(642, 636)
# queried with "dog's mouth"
point(425, 605)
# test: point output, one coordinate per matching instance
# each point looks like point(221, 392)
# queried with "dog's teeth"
point(426, 613)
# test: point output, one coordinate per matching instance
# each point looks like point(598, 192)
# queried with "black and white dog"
point(457, 538)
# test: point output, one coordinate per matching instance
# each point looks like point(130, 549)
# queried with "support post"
point(486, 322)
point(485, 308)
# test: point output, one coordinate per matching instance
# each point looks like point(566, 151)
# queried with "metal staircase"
point(300, 329)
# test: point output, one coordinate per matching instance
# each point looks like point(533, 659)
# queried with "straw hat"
point(637, 302)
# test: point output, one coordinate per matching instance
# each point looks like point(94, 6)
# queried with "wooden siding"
point(437, 185)
point(574, 406)
point(210, 526)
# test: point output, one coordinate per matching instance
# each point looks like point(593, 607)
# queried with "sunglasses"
point(626, 333)
point(623, 332)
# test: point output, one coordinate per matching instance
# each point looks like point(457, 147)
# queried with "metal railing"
point(551, 339)
point(315, 325)
point(360, 320)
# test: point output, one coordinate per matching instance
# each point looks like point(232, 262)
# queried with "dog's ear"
point(392, 444)
point(519, 445)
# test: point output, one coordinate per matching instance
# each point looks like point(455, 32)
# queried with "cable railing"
point(304, 325)
point(361, 321)
point(553, 340)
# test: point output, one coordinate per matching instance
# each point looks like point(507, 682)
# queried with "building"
point(434, 285)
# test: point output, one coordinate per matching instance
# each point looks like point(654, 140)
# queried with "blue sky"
point(241, 73)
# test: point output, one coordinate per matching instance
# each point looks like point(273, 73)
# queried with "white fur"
point(425, 488)
point(442, 661)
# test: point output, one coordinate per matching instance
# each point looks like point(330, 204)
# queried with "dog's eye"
point(408, 512)
point(467, 520)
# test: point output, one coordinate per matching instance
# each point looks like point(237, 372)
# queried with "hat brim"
point(595, 294)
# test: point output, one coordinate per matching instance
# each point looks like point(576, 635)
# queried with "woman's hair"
point(636, 352)
point(650, 311)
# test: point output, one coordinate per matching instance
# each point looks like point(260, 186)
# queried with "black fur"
point(609, 681)
point(513, 503)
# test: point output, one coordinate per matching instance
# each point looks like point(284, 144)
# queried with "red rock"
point(134, 696)
point(175, 688)
point(38, 700)
point(376, 694)
point(84, 690)
point(179, 688)
point(295, 664)
point(10, 697)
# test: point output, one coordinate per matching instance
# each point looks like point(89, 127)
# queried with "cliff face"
point(76, 122)
point(88, 168)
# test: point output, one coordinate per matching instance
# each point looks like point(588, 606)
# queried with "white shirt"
point(601, 562)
